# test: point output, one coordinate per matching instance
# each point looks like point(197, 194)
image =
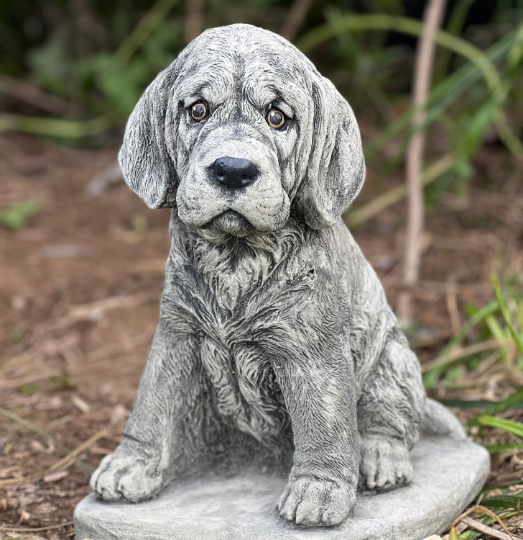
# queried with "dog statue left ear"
point(146, 164)
point(336, 168)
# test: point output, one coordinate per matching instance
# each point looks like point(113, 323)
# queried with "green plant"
point(18, 215)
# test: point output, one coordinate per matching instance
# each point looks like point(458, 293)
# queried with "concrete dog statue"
point(274, 330)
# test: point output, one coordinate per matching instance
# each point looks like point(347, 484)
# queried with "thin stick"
point(67, 461)
point(397, 194)
point(452, 308)
point(48, 528)
point(139, 35)
point(459, 354)
point(61, 465)
point(422, 77)
point(46, 436)
point(295, 18)
point(480, 510)
point(36, 97)
point(487, 530)
point(193, 19)
point(93, 311)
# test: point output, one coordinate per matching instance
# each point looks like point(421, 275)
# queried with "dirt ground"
point(79, 298)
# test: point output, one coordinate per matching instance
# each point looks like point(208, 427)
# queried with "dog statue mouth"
point(231, 222)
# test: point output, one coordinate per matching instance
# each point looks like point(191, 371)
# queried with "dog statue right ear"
point(336, 165)
point(146, 164)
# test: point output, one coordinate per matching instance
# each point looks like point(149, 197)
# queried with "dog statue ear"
point(336, 167)
point(146, 164)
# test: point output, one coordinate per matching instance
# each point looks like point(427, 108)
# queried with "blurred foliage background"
point(73, 69)
point(71, 72)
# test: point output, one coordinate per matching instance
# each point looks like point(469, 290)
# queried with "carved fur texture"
point(274, 330)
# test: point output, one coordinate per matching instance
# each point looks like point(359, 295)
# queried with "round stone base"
point(448, 475)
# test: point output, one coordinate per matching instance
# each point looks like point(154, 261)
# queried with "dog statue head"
point(239, 132)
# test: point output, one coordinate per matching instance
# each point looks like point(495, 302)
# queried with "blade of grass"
point(46, 436)
point(57, 127)
point(506, 315)
point(515, 399)
point(432, 376)
point(499, 448)
point(443, 94)
point(503, 501)
point(140, 34)
point(454, 27)
point(459, 354)
point(508, 425)
point(473, 404)
point(479, 509)
point(415, 28)
point(395, 195)
point(486, 529)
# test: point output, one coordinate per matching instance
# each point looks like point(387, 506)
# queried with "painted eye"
point(198, 111)
point(275, 118)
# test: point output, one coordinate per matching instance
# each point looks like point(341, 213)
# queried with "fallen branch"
point(422, 78)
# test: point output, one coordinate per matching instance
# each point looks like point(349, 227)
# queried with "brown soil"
point(79, 294)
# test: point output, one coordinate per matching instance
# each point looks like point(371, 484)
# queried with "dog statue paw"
point(123, 476)
point(309, 502)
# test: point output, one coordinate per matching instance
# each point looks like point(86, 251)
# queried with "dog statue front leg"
point(320, 396)
point(156, 439)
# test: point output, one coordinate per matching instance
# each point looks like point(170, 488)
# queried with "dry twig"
point(193, 19)
point(36, 97)
point(481, 510)
point(295, 18)
point(488, 530)
point(93, 311)
point(422, 76)
point(460, 353)
point(39, 529)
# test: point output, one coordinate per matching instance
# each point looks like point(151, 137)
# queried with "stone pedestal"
point(448, 475)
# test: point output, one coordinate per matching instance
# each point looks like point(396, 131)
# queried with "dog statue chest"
point(235, 291)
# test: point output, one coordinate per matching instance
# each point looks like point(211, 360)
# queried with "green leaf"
point(430, 378)
point(505, 314)
point(498, 448)
point(478, 404)
point(503, 501)
point(513, 401)
point(454, 534)
point(17, 216)
point(508, 425)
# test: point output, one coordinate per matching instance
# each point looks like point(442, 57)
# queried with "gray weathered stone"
point(448, 475)
point(274, 330)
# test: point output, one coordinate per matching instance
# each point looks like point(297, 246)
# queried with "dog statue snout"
point(234, 172)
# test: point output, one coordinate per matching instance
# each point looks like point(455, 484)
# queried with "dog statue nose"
point(234, 172)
